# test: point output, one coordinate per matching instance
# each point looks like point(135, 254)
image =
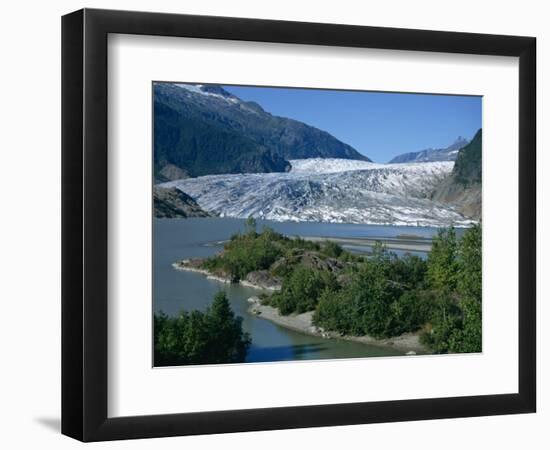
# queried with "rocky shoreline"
point(408, 343)
point(257, 280)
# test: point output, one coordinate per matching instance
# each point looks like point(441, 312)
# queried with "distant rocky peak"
point(254, 107)
point(215, 89)
point(433, 154)
point(459, 142)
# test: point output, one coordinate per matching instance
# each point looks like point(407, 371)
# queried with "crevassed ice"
point(330, 190)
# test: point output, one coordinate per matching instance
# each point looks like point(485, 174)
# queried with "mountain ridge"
point(432, 154)
point(203, 130)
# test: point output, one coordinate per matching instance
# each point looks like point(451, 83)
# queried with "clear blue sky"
point(380, 125)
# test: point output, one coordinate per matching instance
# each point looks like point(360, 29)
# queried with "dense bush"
point(246, 253)
point(389, 296)
point(212, 337)
point(442, 270)
point(377, 301)
point(444, 321)
point(302, 289)
point(455, 277)
point(332, 249)
point(373, 293)
point(335, 311)
point(412, 310)
point(409, 270)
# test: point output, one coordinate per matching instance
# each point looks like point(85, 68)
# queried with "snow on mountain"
point(203, 129)
point(330, 190)
point(202, 90)
point(196, 88)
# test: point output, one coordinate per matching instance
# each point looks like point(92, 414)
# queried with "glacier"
point(330, 190)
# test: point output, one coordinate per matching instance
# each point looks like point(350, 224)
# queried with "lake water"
point(176, 239)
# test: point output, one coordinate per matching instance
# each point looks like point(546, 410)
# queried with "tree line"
point(211, 337)
point(388, 296)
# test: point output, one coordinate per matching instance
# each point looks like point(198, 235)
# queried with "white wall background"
point(30, 223)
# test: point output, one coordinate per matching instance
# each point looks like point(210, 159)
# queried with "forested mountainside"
point(203, 129)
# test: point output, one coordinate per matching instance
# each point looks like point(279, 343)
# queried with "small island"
point(316, 287)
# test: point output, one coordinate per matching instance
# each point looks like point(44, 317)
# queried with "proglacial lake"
point(176, 239)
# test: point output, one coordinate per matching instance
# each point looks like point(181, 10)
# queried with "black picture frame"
point(84, 224)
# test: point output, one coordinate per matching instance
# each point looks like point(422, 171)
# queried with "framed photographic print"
point(273, 224)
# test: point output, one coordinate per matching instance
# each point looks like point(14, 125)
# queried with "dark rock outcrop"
point(173, 203)
point(263, 279)
point(462, 188)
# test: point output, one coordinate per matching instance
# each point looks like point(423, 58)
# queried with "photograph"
point(307, 224)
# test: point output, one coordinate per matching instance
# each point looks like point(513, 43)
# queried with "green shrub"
point(411, 311)
point(302, 288)
point(331, 249)
point(212, 337)
point(409, 270)
point(246, 253)
point(456, 325)
point(334, 312)
point(442, 267)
